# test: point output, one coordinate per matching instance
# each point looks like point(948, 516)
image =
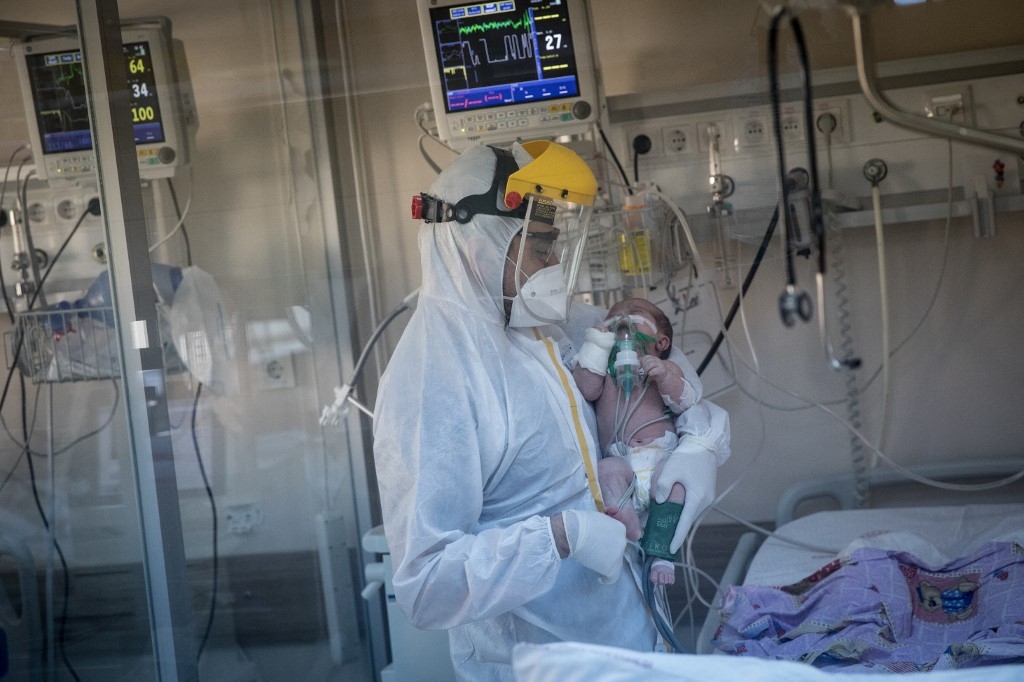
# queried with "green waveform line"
point(64, 78)
point(484, 26)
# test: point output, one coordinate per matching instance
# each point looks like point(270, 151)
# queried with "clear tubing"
point(883, 290)
point(685, 224)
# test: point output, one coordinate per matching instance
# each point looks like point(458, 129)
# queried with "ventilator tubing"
point(662, 518)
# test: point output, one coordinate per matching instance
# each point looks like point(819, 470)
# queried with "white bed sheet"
point(948, 532)
point(573, 662)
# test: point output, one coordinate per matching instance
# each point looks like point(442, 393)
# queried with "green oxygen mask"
point(624, 360)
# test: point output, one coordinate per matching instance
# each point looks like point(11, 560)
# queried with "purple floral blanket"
point(883, 610)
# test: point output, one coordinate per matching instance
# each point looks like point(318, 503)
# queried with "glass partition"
point(177, 495)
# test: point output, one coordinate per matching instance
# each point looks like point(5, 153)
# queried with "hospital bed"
point(951, 521)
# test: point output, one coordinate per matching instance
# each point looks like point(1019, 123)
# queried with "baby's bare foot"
point(663, 573)
point(628, 518)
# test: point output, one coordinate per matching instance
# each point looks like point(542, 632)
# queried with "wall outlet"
point(791, 120)
point(833, 115)
point(677, 139)
point(753, 130)
point(243, 518)
point(720, 130)
point(276, 373)
point(653, 132)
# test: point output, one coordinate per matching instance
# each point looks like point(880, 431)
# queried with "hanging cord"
point(615, 158)
point(66, 578)
point(331, 415)
point(908, 473)
point(213, 514)
point(77, 441)
point(92, 208)
point(420, 117)
point(793, 302)
point(857, 456)
point(875, 170)
point(765, 241)
point(180, 225)
point(653, 594)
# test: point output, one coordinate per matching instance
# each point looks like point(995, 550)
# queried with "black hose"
point(743, 291)
point(817, 214)
point(618, 164)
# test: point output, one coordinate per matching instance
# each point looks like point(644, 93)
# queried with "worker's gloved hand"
point(597, 346)
point(596, 541)
point(694, 465)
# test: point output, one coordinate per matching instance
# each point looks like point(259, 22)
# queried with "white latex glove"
point(597, 346)
point(597, 541)
point(694, 465)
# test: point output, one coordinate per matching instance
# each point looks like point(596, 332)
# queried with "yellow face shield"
point(559, 190)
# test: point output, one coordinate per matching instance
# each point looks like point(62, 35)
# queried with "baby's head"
point(658, 324)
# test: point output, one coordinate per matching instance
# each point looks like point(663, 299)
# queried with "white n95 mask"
point(541, 299)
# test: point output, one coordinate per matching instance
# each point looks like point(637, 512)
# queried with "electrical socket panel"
point(703, 137)
point(838, 112)
point(791, 120)
point(276, 373)
point(678, 139)
point(753, 130)
point(655, 135)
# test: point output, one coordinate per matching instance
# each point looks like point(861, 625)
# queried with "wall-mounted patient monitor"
point(162, 110)
point(502, 71)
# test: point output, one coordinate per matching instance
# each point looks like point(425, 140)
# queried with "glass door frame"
point(142, 368)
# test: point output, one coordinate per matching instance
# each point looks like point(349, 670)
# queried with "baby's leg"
point(664, 572)
point(615, 476)
point(677, 494)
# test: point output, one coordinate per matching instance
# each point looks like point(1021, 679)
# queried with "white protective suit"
point(476, 445)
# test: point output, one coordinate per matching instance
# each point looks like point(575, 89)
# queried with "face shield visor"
point(558, 189)
point(546, 259)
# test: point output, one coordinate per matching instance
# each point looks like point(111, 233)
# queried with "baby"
point(636, 425)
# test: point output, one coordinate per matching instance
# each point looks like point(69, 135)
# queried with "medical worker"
point(485, 451)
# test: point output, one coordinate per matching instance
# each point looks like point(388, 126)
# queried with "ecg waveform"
point(484, 26)
point(487, 53)
point(61, 97)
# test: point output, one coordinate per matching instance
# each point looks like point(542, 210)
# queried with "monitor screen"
point(496, 53)
point(506, 71)
point(58, 93)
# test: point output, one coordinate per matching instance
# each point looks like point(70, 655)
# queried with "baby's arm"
point(589, 383)
point(676, 392)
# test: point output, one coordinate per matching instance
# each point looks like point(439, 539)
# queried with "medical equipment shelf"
point(919, 206)
point(64, 345)
point(897, 209)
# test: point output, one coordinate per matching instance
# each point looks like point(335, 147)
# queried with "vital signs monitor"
point(53, 82)
point(503, 71)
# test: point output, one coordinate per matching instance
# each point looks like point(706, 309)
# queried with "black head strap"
point(435, 210)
